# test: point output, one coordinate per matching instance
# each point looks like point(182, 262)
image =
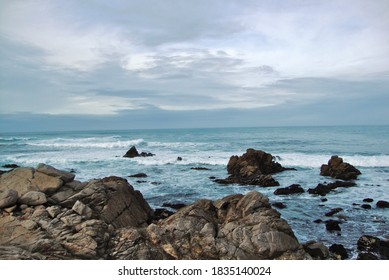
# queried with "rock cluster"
point(133, 152)
point(252, 168)
point(338, 169)
point(46, 214)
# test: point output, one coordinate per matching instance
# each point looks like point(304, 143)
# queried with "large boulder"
point(370, 248)
point(235, 227)
point(338, 169)
point(8, 198)
point(252, 168)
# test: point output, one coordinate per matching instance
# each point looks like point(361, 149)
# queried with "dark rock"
point(318, 221)
point(212, 177)
point(199, 168)
point(292, 189)
point(138, 175)
point(382, 204)
point(339, 251)
point(279, 205)
point(324, 189)
point(316, 250)
point(179, 158)
point(174, 205)
point(133, 152)
point(366, 206)
point(161, 213)
point(141, 181)
point(260, 180)
point(338, 169)
point(369, 200)
point(371, 247)
point(332, 225)
point(333, 212)
point(324, 199)
point(11, 165)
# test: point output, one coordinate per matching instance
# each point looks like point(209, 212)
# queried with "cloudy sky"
point(97, 64)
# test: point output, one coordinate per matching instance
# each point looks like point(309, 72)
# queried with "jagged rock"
point(24, 180)
point(33, 198)
point(371, 247)
point(382, 204)
point(8, 198)
point(82, 209)
point(66, 177)
point(235, 227)
point(324, 189)
point(133, 152)
point(339, 251)
point(338, 169)
point(316, 250)
point(292, 189)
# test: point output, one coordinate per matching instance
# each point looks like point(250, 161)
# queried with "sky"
point(97, 64)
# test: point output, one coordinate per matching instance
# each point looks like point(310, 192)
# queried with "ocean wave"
point(107, 142)
point(16, 139)
point(314, 161)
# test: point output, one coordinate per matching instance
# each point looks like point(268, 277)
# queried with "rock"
point(161, 213)
point(82, 210)
point(66, 177)
point(316, 250)
point(179, 158)
point(369, 200)
point(332, 225)
point(24, 180)
point(339, 251)
point(33, 198)
point(199, 168)
point(174, 205)
point(333, 212)
point(279, 205)
point(324, 189)
point(53, 211)
point(371, 247)
point(8, 198)
point(338, 169)
point(252, 168)
point(11, 165)
point(292, 189)
point(133, 152)
point(138, 175)
point(235, 227)
point(366, 206)
point(382, 204)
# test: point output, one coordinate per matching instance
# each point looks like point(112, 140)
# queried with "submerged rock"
point(338, 169)
point(324, 189)
point(292, 189)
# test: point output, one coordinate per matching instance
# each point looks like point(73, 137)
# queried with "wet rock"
point(370, 247)
point(259, 180)
point(382, 204)
point(369, 200)
point(132, 152)
point(292, 189)
point(174, 205)
point(8, 198)
point(279, 205)
point(316, 250)
point(332, 225)
point(366, 206)
point(138, 175)
point(324, 189)
point(199, 168)
point(33, 198)
point(338, 169)
point(333, 212)
point(338, 251)
point(179, 158)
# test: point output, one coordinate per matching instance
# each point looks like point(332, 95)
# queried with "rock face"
point(252, 168)
point(108, 219)
point(338, 169)
point(235, 227)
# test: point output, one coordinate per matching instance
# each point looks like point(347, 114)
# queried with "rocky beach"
point(46, 214)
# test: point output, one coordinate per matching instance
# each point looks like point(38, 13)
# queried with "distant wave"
point(314, 161)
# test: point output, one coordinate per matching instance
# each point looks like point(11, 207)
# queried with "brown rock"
point(33, 198)
point(338, 169)
point(8, 198)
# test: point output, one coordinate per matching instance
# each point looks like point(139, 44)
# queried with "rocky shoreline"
point(46, 214)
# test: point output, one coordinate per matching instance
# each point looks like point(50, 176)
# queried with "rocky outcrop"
point(324, 189)
point(372, 248)
point(133, 152)
point(235, 227)
point(107, 219)
point(252, 168)
point(338, 169)
point(292, 189)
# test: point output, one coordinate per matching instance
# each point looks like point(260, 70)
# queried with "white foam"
point(107, 142)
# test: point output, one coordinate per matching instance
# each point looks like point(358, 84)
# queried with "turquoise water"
point(97, 154)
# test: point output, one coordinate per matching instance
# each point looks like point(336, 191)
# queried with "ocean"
point(98, 154)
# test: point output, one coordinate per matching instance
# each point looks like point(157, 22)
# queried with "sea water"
point(97, 154)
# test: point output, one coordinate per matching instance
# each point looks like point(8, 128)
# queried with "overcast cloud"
point(157, 60)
